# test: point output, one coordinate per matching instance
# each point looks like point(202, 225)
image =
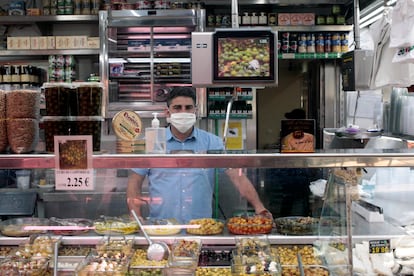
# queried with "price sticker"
point(73, 159)
point(379, 246)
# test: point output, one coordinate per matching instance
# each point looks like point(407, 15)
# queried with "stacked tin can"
point(68, 7)
point(290, 42)
point(61, 68)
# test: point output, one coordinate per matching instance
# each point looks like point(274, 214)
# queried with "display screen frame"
point(247, 62)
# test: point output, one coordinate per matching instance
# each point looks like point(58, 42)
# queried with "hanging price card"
point(73, 159)
point(379, 246)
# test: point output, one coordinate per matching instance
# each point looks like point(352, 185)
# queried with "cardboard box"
point(18, 43)
point(51, 42)
point(93, 43)
point(308, 19)
point(71, 42)
point(79, 42)
point(42, 42)
point(296, 19)
point(283, 19)
point(35, 42)
point(33, 12)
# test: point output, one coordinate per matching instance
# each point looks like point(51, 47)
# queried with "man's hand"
point(135, 204)
point(265, 213)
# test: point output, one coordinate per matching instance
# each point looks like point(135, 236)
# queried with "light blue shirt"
point(183, 193)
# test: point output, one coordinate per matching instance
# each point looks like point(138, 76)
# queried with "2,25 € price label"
point(79, 180)
point(73, 158)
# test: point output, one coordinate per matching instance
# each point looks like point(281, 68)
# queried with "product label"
point(127, 125)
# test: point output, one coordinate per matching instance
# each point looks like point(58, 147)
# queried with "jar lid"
point(127, 125)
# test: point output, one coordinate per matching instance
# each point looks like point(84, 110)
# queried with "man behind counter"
point(185, 193)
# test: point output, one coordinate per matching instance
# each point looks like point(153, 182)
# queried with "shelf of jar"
point(232, 116)
point(228, 97)
point(300, 28)
point(309, 55)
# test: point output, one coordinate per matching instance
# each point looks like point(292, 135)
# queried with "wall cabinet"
point(143, 54)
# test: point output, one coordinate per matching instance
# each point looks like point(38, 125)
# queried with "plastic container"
point(79, 125)
point(95, 264)
point(15, 227)
point(184, 255)
point(23, 104)
point(155, 140)
point(23, 179)
point(127, 125)
point(140, 265)
point(4, 142)
point(22, 134)
point(22, 266)
point(115, 226)
point(73, 99)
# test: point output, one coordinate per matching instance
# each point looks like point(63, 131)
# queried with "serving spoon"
point(156, 251)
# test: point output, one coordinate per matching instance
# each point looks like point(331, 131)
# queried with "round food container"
point(296, 225)
point(127, 125)
point(249, 225)
point(208, 226)
point(15, 227)
point(162, 227)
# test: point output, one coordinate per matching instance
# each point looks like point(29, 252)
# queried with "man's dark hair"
point(181, 91)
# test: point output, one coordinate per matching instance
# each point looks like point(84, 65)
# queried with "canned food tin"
point(61, 10)
point(161, 4)
point(211, 19)
point(328, 43)
point(336, 46)
point(302, 46)
point(68, 10)
point(285, 46)
point(285, 35)
point(177, 5)
point(320, 20)
point(144, 5)
point(218, 19)
point(310, 46)
point(293, 46)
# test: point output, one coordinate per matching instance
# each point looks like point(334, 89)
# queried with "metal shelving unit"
point(21, 20)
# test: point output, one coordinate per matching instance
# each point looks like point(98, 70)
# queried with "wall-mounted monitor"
point(236, 57)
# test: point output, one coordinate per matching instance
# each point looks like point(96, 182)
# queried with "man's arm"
point(133, 192)
point(247, 190)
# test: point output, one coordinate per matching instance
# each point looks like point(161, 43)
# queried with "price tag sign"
point(379, 246)
point(73, 159)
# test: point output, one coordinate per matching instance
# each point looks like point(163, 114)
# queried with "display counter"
point(361, 229)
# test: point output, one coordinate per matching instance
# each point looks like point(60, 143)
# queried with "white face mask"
point(182, 121)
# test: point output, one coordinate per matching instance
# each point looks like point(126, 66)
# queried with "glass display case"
point(334, 228)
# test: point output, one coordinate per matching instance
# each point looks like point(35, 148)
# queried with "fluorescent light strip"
point(159, 60)
point(371, 15)
point(117, 60)
point(369, 22)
